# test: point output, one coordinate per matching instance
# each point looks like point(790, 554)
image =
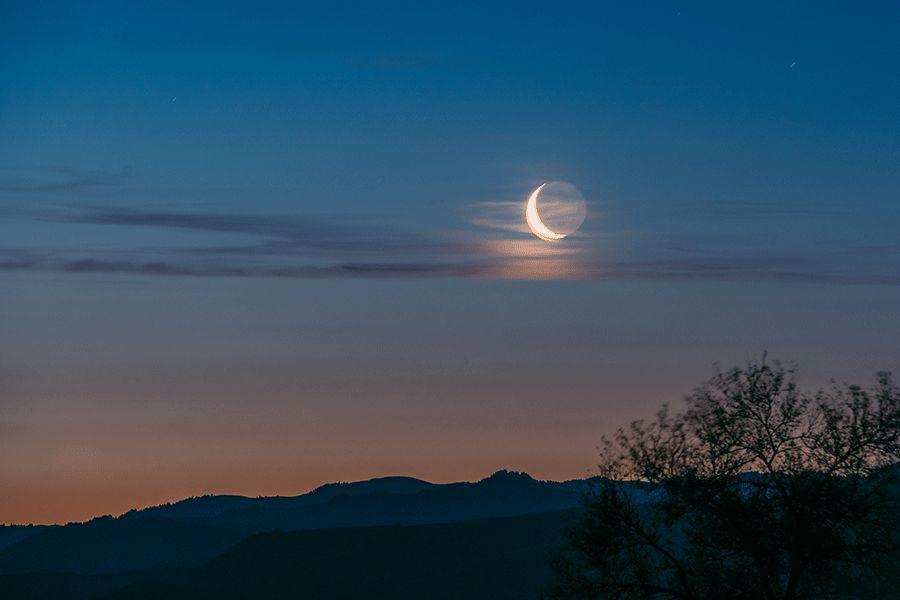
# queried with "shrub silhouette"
point(756, 490)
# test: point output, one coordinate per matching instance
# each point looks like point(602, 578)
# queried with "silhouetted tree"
point(757, 490)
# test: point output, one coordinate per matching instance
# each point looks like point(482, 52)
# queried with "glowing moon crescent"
point(533, 219)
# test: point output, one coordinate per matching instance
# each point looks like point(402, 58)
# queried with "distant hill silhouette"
point(10, 534)
point(214, 506)
point(199, 528)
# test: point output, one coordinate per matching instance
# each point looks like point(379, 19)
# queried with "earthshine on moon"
point(555, 210)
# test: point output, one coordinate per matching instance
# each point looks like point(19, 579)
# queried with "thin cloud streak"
point(56, 179)
point(722, 270)
point(283, 235)
point(308, 247)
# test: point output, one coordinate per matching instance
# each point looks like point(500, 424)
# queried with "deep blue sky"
point(254, 246)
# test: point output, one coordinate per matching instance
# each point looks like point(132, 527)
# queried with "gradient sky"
point(256, 247)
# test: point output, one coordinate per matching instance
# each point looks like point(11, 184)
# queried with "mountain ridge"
point(199, 527)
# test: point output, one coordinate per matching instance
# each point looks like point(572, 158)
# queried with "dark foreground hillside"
point(490, 559)
point(197, 529)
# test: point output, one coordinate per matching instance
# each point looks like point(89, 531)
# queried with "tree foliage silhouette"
point(756, 490)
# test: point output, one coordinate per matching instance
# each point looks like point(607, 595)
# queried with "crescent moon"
point(533, 219)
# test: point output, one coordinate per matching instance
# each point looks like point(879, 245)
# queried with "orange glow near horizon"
point(78, 498)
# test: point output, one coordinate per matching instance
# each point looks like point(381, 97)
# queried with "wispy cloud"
point(735, 269)
point(499, 215)
point(55, 179)
point(168, 268)
point(498, 246)
point(275, 234)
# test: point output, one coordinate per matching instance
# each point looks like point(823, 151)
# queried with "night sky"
point(256, 247)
